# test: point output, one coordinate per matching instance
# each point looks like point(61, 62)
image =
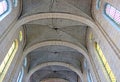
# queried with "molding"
point(77, 71)
point(54, 79)
point(62, 43)
point(33, 17)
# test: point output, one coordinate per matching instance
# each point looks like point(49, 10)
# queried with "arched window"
point(20, 36)
point(91, 36)
point(105, 63)
point(20, 75)
point(98, 3)
point(112, 13)
point(15, 2)
point(4, 8)
point(25, 62)
point(89, 77)
point(8, 59)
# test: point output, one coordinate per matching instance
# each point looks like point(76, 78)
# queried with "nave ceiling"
point(56, 29)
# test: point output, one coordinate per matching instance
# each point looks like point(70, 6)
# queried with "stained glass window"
point(98, 3)
point(15, 2)
point(20, 75)
point(25, 62)
point(8, 59)
point(89, 77)
point(3, 7)
point(105, 63)
point(20, 36)
point(112, 13)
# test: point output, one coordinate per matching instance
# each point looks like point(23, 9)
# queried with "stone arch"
point(54, 79)
point(80, 49)
point(85, 20)
point(27, 19)
point(89, 22)
point(77, 71)
point(63, 43)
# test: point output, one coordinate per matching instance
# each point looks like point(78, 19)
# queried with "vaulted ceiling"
point(56, 29)
point(78, 7)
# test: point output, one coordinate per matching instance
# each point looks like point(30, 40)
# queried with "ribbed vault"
point(55, 55)
point(54, 71)
point(56, 33)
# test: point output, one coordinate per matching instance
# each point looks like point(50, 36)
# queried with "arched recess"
point(30, 18)
point(77, 71)
point(27, 19)
point(81, 19)
point(62, 43)
point(85, 20)
point(54, 79)
point(89, 22)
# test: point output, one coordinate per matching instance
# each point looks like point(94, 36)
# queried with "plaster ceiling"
point(54, 80)
point(38, 33)
point(77, 7)
point(54, 72)
point(55, 30)
point(56, 54)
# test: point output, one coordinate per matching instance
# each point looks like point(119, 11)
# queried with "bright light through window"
point(105, 63)
point(3, 7)
point(112, 13)
point(25, 62)
point(20, 75)
point(8, 59)
point(20, 36)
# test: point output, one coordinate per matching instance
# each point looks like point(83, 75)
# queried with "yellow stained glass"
point(112, 77)
point(8, 59)
point(107, 68)
point(11, 49)
point(91, 36)
point(105, 63)
point(103, 60)
point(2, 67)
point(20, 36)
